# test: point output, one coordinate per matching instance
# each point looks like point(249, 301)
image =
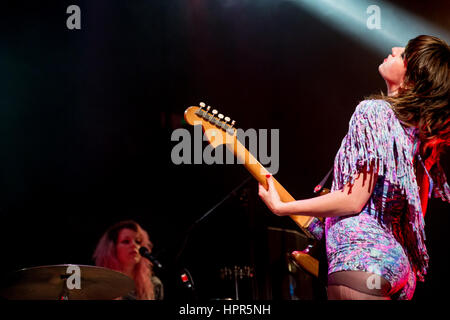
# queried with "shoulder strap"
point(319, 187)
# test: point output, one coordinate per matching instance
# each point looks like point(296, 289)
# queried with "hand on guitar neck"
point(270, 196)
point(220, 130)
point(211, 122)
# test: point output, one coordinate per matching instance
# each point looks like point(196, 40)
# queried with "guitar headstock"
point(218, 128)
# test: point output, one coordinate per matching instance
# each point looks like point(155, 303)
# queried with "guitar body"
point(219, 130)
point(313, 258)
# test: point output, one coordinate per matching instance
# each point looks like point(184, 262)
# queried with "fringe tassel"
point(376, 136)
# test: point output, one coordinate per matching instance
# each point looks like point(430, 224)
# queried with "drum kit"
point(66, 282)
point(237, 273)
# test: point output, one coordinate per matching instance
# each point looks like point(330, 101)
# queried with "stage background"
point(87, 116)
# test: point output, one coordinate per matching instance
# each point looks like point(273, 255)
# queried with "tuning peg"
point(215, 112)
point(207, 108)
point(220, 116)
point(202, 105)
point(227, 119)
point(232, 123)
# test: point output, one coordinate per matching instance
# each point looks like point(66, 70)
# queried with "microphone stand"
point(197, 222)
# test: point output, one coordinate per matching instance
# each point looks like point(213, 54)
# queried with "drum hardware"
point(66, 282)
point(237, 273)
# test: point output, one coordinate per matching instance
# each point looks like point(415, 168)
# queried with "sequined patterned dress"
point(387, 237)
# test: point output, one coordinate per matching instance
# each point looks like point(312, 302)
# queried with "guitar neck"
point(259, 173)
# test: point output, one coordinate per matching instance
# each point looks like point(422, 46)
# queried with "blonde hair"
point(105, 255)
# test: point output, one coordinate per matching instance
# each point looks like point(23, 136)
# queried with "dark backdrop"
point(87, 116)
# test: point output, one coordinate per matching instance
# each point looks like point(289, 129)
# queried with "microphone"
point(143, 251)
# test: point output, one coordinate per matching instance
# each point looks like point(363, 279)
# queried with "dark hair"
point(423, 99)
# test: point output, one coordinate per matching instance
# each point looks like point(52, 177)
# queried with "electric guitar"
point(219, 130)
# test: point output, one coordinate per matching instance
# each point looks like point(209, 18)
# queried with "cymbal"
point(62, 282)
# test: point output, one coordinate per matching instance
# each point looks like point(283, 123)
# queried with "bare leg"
point(357, 285)
point(338, 292)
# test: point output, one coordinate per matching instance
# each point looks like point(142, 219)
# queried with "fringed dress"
point(387, 237)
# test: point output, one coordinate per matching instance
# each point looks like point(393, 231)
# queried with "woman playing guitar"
point(384, 172)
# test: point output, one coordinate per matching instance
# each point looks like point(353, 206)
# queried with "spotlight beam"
point(397, 26)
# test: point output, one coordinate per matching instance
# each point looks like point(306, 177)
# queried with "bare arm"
point(350, 200)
